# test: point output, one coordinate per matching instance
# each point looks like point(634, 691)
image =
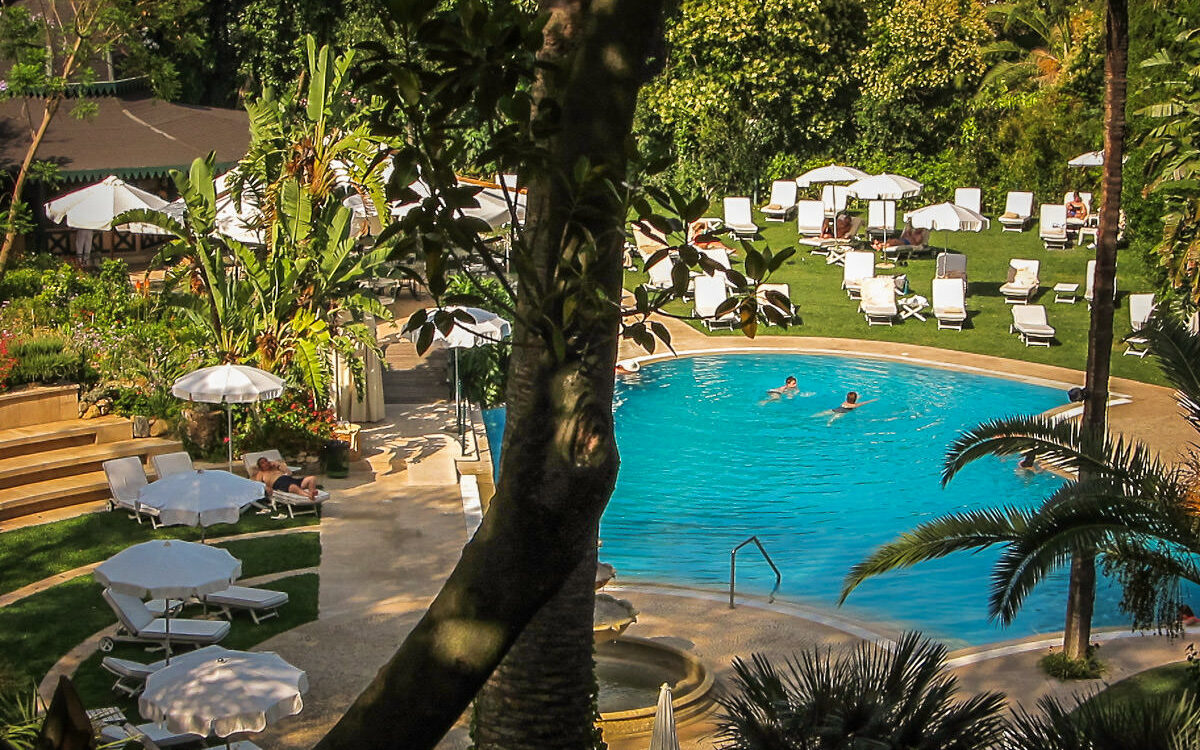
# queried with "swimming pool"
point(706, 462)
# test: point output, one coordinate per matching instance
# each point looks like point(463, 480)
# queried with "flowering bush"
point(292, 423)
point(7, 361)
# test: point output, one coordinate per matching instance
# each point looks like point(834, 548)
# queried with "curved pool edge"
point(1115, 398)
point(879, 633)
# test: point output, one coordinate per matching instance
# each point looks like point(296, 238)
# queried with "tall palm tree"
point(871, 697)
point(1125, 504)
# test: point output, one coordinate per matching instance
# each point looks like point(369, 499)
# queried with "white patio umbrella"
point(169, 569)
point(887, 187)
point(947, 217)
point(95, 206)
point(228, 384)
point(200, 498)
point(664, 736)
point(492, 208)
point(486, 328)
point(1090, 159)
point(223, 692)
point(830, 173)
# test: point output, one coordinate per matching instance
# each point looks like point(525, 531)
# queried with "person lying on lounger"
point(838, 228)
point(911, 236)
point(277, 477)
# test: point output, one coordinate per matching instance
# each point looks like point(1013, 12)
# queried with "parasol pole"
point(229, 432)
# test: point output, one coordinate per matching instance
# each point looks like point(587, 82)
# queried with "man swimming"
point(850, 404)
point(789, 387)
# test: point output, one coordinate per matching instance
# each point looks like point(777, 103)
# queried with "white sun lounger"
point(294, 504)
point(949, 304)
point(1022, 281)
point(711, 292)
point(1141, 307)
point(1029, 322)
point(1089, 291)
point(764, 302)
point(968, 198)
point(1052, 226)
point(260, 604)
point(952, 266)
point(166, 464)
point(833, 199)
point(131, 675)
point(881, 219)
point(810, 218)
point(739, 218)
point(126, 477)
point(783, 201)
point(1018, 210)
point(858, 266)
point(138, 624)
point(149, 735)
point(878, 303)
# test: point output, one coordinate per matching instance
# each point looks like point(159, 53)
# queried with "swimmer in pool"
point(1027, 462)
point(850, 404)
point(789, 387)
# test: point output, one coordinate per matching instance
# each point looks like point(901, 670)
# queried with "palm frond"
point(973, 530)
point(1177, 350)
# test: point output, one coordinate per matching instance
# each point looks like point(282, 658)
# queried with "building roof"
point(132, 137)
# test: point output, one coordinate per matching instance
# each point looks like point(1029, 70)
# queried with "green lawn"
point(1167, 682)
point(95, 684)
point(36, 552)
point(41, 628)
point(825, 310)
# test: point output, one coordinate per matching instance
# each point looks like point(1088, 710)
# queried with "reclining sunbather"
point(911, 236)
point(277, 477)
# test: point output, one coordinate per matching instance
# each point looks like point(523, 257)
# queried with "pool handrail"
point(733, 570)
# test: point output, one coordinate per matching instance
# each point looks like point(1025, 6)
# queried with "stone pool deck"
point(411, 520)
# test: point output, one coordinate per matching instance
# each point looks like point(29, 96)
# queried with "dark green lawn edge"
point(33, 553)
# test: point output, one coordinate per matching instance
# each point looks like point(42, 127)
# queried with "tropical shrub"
point(869, 697)
point(46, 359)
point(1062, 667)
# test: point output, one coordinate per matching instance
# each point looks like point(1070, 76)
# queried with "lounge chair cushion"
point(1024, 277)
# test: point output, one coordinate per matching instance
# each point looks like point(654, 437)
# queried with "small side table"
point(1066, 293)
point(911, 307)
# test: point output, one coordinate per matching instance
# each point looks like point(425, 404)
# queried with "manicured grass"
point(274, 554)
point(40, 629)
point(95, 684)
point(825, 310)
point(1167, 683)
point(36, 552)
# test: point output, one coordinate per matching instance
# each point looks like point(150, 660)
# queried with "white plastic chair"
point(881, 218)
point(764, 302)
point(1089, 291)
point(711, 292)
point(1141, 307)
point(859, 265)
point(833, 198)
point(126, 477)
point(1052, 226)
point(166, 464)
point(878, 302)
point(949, 304)
point(1029, 322)
point(1023, 283)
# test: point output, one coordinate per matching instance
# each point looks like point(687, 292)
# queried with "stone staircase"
point(412, 379)
point(49, 458)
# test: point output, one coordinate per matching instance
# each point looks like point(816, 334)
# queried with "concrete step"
point(65, 462)
point(49, 494)
point(38, 405)
point(67, 433)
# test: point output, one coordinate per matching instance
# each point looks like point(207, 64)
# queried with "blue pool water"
point(706, 462)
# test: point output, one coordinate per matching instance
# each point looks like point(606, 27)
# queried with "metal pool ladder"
point(733, 569)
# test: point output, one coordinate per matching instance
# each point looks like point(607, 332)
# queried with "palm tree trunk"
point(541, 696)
point(1082, 593)
point(559, 457)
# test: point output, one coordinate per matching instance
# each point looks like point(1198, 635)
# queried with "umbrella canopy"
point(485, 328)
point(830, 173)
point(228, 384)
point(223, 692)
point(200, 498)
point(947, 217)
point(492, 208)
point(885, 186)
point(664, 736)
point(169, 569)
point(95, 206)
